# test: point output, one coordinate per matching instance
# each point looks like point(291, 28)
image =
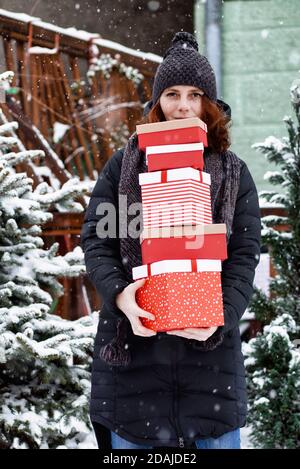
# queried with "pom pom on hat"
point(184, 37)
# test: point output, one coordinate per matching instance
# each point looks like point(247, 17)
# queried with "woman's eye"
point(194, 94)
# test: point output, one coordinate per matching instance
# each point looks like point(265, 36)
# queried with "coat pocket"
point(106, 331)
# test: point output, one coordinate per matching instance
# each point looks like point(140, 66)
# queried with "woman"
point(182, 388)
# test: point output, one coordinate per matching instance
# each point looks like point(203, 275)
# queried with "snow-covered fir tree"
point(273, 357)
point(45, 361)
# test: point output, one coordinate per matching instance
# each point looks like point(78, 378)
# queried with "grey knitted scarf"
point(225, 177)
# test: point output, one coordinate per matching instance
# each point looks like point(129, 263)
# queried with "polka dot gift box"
point(181, 293)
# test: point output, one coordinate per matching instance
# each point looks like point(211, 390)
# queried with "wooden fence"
point(83, 93)
point(89, 88)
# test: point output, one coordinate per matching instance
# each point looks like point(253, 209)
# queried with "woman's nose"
point(183, 104)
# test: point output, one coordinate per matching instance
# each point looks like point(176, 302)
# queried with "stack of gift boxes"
point(182, 249)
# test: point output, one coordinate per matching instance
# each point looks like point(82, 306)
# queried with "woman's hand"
point(196, 333)
point(126, 302)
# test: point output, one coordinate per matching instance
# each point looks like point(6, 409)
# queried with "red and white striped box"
point(176, 189)
point(172, 214)
point(157, 185)
point(175, 156)
point(175, 196)
point(172, 132)
point(181, 293)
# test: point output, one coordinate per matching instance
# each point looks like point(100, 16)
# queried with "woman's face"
point(179, 102)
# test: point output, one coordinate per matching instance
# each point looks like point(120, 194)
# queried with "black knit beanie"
point(183, 65)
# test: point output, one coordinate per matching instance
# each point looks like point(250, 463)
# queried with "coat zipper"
point(175, 405)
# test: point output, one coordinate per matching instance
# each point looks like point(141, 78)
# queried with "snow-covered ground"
point(245, 443)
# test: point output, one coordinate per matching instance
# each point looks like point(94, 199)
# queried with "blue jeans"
point(230, 440)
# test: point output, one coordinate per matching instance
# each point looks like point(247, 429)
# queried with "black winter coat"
point(172, 393)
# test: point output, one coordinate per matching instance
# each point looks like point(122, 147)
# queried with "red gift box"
point(175, 156)
point(184, 242)
point(180, 294)
point(177, 131)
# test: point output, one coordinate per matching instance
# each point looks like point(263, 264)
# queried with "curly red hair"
point(212, 114)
